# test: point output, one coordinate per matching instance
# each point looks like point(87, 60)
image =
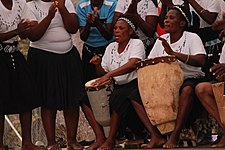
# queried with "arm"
point(70, 20)
point(116, 16)
point(23, 26)
point(207, 16)
point(166, 4)
point(148, 27)
point(126, 68)
point(104, 29)
point(39, 29)
point(193, 60)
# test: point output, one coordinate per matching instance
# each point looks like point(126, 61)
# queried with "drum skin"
point(159, 81)
point(99, 100)
point(218, 90)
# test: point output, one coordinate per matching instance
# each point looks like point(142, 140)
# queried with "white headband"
point(182, 12)
point(128, 22)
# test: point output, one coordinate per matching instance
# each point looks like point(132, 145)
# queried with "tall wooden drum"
point(218, 90)
point(159, 81)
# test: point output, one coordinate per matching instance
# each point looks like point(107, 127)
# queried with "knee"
point(203, 88)
point(187, 91)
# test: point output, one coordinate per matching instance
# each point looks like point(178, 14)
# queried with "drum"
point(159, 81)
point(99, 100)
point(218, 90)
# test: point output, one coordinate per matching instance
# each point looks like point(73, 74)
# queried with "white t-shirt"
point(144, 8)
point(9, 19)
point(56, 39)
point(189, 43)
point(113, 60)
point(222, 56)
point(210, 5)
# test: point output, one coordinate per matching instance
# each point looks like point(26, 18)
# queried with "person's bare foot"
point(74, 146)
point(53, 147)
point(31, 147)
point(96, 144)
point(172, 142)
point(155, 142)
point(107, 145)
point(221, 142)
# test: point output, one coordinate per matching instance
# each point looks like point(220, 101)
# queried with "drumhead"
point(156, 60)
point(90, 87)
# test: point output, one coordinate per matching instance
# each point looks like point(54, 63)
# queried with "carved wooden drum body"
point(218, 90)
point(159, 81)
point(99, 100)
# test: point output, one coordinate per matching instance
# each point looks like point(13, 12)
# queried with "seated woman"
point(187, 47)
point(119, 63)
point(204, 90)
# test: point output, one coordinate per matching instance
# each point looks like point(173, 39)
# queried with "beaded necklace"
point(118, 59)
point(12, 17)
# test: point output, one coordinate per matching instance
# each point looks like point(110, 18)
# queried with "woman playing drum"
point(179, 43)
point(204, 91)
point(119, 63)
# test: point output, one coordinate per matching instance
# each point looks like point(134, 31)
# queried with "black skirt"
point(120, 99)
point(59, 78)
point(17, 86)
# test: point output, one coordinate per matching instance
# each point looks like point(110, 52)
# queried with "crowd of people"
point(116, 35)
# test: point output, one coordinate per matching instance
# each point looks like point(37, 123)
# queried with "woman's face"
point(172, 21)
point(122, 31)
point(97, 3)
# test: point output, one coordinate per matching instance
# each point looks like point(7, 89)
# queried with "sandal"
point(54, 147)
point(74, 146)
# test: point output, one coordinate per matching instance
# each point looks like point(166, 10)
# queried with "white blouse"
point(189, 43)
point(9, 19)
point(113, 60)
point(56, 39)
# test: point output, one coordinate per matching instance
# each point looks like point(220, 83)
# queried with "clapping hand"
point(166, 46)
point(52, 10)
point(93, 17)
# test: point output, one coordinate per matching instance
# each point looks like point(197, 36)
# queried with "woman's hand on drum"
point(166, 46)
point(101, 80)
point(218, 71)
point(96, 60)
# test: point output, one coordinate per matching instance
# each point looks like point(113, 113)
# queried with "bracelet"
point(202, 10)
point(188, 57)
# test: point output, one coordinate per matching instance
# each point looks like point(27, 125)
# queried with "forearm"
point(126, 68)
point(148, 27)
point(39, 29)
point(105, 32)
point(84, 32)
point(207, 16)
point(193, 60)
point(70, 20)
point(99, 70)
point(8, 35)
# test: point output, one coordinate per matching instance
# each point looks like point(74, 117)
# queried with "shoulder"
point(191, 35)
point(21, 3)
point(136, 42)
point(30, 3)
point(83, 3)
